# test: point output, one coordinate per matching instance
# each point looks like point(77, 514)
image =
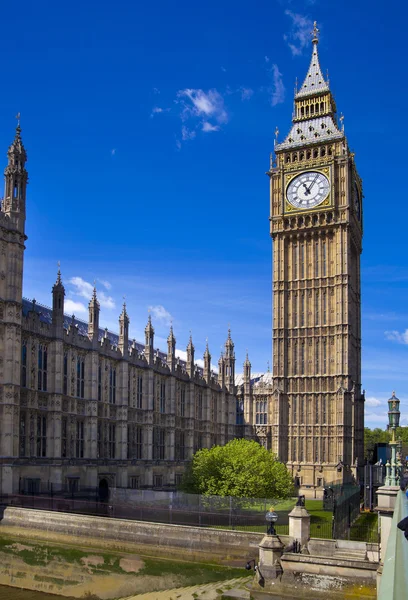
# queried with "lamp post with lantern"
point(392, 468)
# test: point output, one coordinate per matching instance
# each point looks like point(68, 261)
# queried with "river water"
point(12, 593)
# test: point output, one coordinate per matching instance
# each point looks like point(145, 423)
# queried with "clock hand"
point(313, 182)
point(306, 190)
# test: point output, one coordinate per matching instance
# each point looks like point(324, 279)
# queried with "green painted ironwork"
point(394, 579)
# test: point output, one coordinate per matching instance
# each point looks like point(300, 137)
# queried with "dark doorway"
point(103, 490)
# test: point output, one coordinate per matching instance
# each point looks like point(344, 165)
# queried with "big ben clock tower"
point(316, 228)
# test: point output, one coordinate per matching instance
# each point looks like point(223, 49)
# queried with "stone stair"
point(206, 591)
point(350, 554)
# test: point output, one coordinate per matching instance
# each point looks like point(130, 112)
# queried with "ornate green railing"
point(394, 579)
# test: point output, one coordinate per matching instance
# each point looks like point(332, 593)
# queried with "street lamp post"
point(271, 518)
point(392, 468)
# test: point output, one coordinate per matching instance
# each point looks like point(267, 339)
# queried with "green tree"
point(241, 468)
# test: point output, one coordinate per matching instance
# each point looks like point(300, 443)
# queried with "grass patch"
point(365, 528)
point(41, 555)
point(192, 573)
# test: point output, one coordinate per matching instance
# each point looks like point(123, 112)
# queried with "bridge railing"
point(394, 578)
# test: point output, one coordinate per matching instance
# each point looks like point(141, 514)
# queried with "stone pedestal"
point(270, 552)
point(299, 525)
point(386, 497)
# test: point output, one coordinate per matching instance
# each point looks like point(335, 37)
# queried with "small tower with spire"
point(171, 350)
point(207, 364)
point(16, 177)
point(221, 370)
point(229, 363)
point(247, 370)
point(124, 331)
point(190, 357)
point(58, 293)
point(93, 322)
point(149, 341)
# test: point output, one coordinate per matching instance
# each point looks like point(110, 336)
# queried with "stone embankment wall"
point(175, 541)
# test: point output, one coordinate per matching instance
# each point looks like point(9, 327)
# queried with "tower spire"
point(16, 176)
point(314, 81)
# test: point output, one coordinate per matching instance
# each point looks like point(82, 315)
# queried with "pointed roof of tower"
point(190, 345)
point(171, 337)
point(123, 315)
point(207, 351)
point(247, 363)
point(17, 146)
point(314, 81)
point(58, 285)
point(149, 327)
point(93, 303)
point(229, 343)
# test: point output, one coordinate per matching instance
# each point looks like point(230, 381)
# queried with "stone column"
point(270, 552)
point(386, 497)
point(299, 525)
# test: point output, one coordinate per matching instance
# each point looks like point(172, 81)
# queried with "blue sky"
point(148, 128)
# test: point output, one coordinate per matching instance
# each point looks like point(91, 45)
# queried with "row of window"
point(321, 412)
point(300, 358)
point(312, 449)
point(73, 440)
point(301, 309)
point(302, 256)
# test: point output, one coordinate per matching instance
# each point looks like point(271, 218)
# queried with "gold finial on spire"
point(315, 33)
point(341, 119)
point(18, 116)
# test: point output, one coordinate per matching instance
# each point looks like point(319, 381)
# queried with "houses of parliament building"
point(81, 406)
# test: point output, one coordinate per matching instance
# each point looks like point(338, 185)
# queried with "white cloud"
point(113, 151)
point(72, 307)
point(105, 284)
point(223, 69)
point(372, 402)
point(204, 104)
point(299, 35)
point(85, 289)
point(156, 90)
point(156, 110)
point(267, 59)
point(246, 93)
point(206, 107)
point(161, 314)
point(397, 336)
point(208, 127)
point(278, 89)
point(187, 134)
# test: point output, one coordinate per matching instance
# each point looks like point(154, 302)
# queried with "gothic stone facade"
point(80, 405)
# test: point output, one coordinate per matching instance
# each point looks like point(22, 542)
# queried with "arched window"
point(80, 384)
point(42, 368)
point(112, 385)
point(24, 364)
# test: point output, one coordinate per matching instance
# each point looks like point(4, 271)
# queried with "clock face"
point(356, 199)
point(308, 189)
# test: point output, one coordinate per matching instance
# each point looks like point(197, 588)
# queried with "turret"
point(247, 370)
point(58, 293)
point(190, 357)
point(124, 331)
point(221, 373)
point(149, 340)
point(93, 322)
point(229, 363)
point(16, 176)
point(171, 350)
point(207, 364)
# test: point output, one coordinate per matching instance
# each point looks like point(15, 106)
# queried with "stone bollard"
point(299, 525)
point(270, 552)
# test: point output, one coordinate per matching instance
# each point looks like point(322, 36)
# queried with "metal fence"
point(241, 514)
